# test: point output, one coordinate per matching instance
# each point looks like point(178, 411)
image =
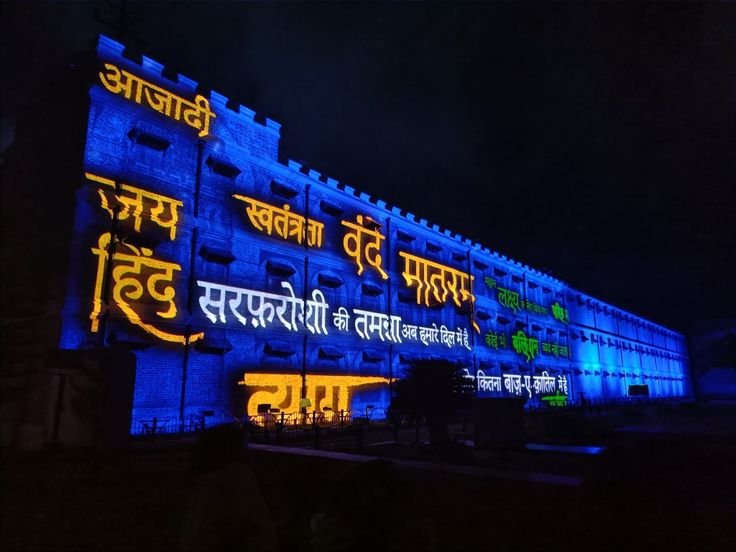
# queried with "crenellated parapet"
point(172, 94)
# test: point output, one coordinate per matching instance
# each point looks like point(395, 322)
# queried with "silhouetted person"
point(226, 509)
point(370, 507)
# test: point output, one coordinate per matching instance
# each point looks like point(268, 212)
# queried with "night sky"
point(594, 141)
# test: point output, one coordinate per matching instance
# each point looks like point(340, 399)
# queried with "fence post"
point(153, 428)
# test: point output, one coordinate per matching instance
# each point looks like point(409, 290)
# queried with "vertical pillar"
point(303, 394)
point(192, 278)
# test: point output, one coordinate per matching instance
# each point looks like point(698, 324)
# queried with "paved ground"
point(664, 481)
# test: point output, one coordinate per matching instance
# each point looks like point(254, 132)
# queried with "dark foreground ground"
point(665, 481)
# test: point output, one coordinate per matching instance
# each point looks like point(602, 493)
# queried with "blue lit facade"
point(232, 272)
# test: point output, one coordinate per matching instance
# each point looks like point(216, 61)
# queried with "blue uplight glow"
point(230, 262)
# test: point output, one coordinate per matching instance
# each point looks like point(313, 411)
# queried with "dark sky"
point(594, 140)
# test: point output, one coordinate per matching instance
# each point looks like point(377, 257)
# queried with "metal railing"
point(274, 418)
point(159, 426)
point(304, 429)
point(350, 428)
point(321, 429)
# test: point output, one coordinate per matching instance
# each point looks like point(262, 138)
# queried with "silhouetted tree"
point(433, 389)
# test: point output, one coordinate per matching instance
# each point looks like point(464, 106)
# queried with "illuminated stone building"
point(177, 233)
